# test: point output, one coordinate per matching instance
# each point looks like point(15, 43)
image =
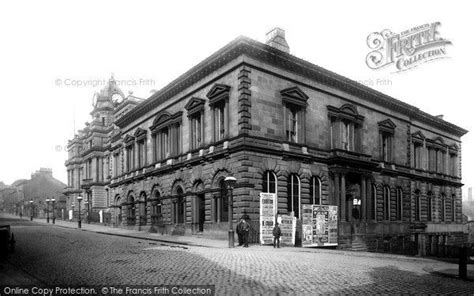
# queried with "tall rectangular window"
point(130, 158)
point(116, 164)
point(429, 206)
point(417, 155)
point(453, 165)
point(292, 124)
point(196, 130)
point(315, 191)
point(141, 153)
point(220, 121)
point(386, 149)
point(164, 136)
point(293, 198)
point(89, 169)
point(176, 139)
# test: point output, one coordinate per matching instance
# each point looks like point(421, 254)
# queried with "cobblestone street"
point(53, 255)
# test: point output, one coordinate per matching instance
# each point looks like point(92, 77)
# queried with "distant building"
point(279, 125)
point(88, 161)
point(40, 187)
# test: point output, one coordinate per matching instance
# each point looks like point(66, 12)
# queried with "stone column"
point(336, 196)
point(363, 196)
point(218, 209)
point(369, 199)
point(343, 198)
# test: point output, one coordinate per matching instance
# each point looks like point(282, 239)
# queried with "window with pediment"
point(436, 155)
point(453, 160)
point(345, 125)
point(129, 153)
point(386, 140)
point(294, 108)
point(219, 102)
point(166, 135)
point(195, 108)
point(417, 140)
point(140, 138)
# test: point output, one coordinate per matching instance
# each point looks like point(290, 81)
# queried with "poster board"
point(267, 217)
point(288, 230)
point(319, 225)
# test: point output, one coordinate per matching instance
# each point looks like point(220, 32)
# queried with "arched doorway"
point(180, 205)
point(143, 209)
point(131, 216)
point(117, 207)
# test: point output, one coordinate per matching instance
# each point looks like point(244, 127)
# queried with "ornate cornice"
point(282, 60)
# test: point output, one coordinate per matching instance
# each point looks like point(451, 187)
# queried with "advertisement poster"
point(267, 217)
point(319, 225)
point(288, 230)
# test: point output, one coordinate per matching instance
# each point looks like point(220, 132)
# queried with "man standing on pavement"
point(276, 235)
point(245, 233)
point(238, 229)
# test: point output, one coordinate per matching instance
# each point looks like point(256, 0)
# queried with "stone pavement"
point(438, 268)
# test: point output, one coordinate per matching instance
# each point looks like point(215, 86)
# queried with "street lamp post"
point(31, 210)
point(47, 210)
point(54, 217)
point(79, 198)
point(230, 182)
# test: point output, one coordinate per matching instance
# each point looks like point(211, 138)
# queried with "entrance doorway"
point(202, 212)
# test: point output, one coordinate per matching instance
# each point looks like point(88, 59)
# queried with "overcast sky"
point(48, 48)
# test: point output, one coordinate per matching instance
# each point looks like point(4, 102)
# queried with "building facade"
point(282, 125)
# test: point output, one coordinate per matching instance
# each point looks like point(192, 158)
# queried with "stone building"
point(277, 124)
point(40, 187)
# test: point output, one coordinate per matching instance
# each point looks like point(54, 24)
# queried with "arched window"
point(294, 195)
point(386, 203)
point(269, 184)
point(417, 205)
point(142, 209)
point(429, 206)
point(443, 207)
point(399, 204)
point(180, 206)
point(131, 210)
point(315, 190)
point(156, 213)
point(224, 202)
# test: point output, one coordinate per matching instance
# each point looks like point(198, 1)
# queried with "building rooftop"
point(275, 57)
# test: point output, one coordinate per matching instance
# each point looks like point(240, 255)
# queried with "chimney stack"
point(276, 39)
point(441, 116)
